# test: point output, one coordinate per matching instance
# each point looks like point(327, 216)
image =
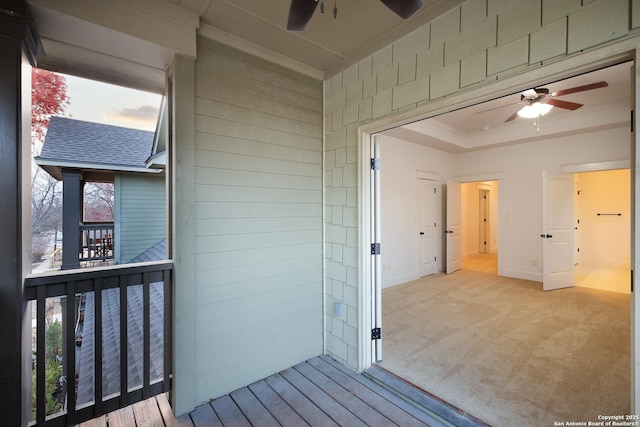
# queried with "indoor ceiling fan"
point(538, 101)
point(301, 11)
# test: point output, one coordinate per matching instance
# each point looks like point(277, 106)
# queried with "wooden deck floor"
point(318, 392)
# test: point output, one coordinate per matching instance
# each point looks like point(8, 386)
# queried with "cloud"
point(144, 115)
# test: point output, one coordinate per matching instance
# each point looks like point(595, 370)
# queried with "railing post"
point(97, 324)
point(71, 209)
point(70, 352)
point(124, 361)
point(146, 336)
point(68, 284)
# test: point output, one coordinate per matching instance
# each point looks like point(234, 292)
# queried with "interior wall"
point(400, 163)
point(605, 240)
point(518, 219)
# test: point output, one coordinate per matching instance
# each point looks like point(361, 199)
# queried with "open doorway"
point(480, 212)
point(603, 230)
point(537, 326)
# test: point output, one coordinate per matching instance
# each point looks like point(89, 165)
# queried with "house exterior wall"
point(475, 44)
point(257, 222)
point(140, 216)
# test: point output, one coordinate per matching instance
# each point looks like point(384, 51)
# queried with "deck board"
point(319, 397)
point(342, 396)
point(253, 409)
point(318, 392)
point(280, 409)
point(147, 414)
point(228, 412)
point(122, 417)
point(368, 395)
point(204, 415)
point(299, 402)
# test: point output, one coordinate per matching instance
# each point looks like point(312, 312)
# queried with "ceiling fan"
point(301, 11)
point(539, 101)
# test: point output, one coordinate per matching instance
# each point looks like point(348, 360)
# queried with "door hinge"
point(631, 280)
point(434, 190)
point(434, 225)
point(375, 249)
point(633, 115)
point(375, 164)
point(435, 258)
point(376, 334)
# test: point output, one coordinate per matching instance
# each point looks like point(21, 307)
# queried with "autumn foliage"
point(48, 97)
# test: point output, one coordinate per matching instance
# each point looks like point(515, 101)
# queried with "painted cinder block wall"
point(472, 45)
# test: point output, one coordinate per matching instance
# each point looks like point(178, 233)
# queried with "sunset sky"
point(104, 103)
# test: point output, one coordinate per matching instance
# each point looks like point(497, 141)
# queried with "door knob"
point(548, 236)
point(422, 233)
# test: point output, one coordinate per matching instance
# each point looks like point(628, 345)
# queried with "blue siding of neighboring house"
point(140, 214)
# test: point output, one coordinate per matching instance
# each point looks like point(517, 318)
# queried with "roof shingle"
point(70, 140)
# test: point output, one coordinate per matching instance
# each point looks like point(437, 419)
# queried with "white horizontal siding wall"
point(472, 45)
point(141, 214)
point(258, 219)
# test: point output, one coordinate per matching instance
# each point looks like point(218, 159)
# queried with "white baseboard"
point(388, 282)
point(525, 275)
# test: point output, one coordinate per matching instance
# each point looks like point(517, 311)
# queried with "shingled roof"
point(76, 142)
point(85, 361)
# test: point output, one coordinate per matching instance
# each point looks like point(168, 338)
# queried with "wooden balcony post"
point(71, 211)
point(18, 45)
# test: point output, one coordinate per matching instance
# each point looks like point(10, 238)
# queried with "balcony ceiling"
point(76, 41)
point(327, 44)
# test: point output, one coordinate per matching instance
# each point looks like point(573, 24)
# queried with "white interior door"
point(558, 232)
point(376, 261)
point(454, 221)
point(426, 227)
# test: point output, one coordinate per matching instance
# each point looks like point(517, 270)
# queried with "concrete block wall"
point(473, 44)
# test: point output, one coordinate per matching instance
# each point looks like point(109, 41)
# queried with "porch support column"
point(18, 46)
point(71, 217)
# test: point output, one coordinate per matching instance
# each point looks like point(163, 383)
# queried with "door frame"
point(601, 57)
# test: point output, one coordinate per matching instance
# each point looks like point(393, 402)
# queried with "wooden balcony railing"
point(96, 241)
point(116, 329)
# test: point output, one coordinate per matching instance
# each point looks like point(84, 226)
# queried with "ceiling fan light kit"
point(534, 110)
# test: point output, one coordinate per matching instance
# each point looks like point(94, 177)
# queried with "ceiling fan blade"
point(300, 12)
point(563, 104)
point(512, 117)
point(403, 8)
point(580, 88)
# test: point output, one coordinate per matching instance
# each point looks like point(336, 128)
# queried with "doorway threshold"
point(446, 413)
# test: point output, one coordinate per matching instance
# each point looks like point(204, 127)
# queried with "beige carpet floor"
point(507, 352)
